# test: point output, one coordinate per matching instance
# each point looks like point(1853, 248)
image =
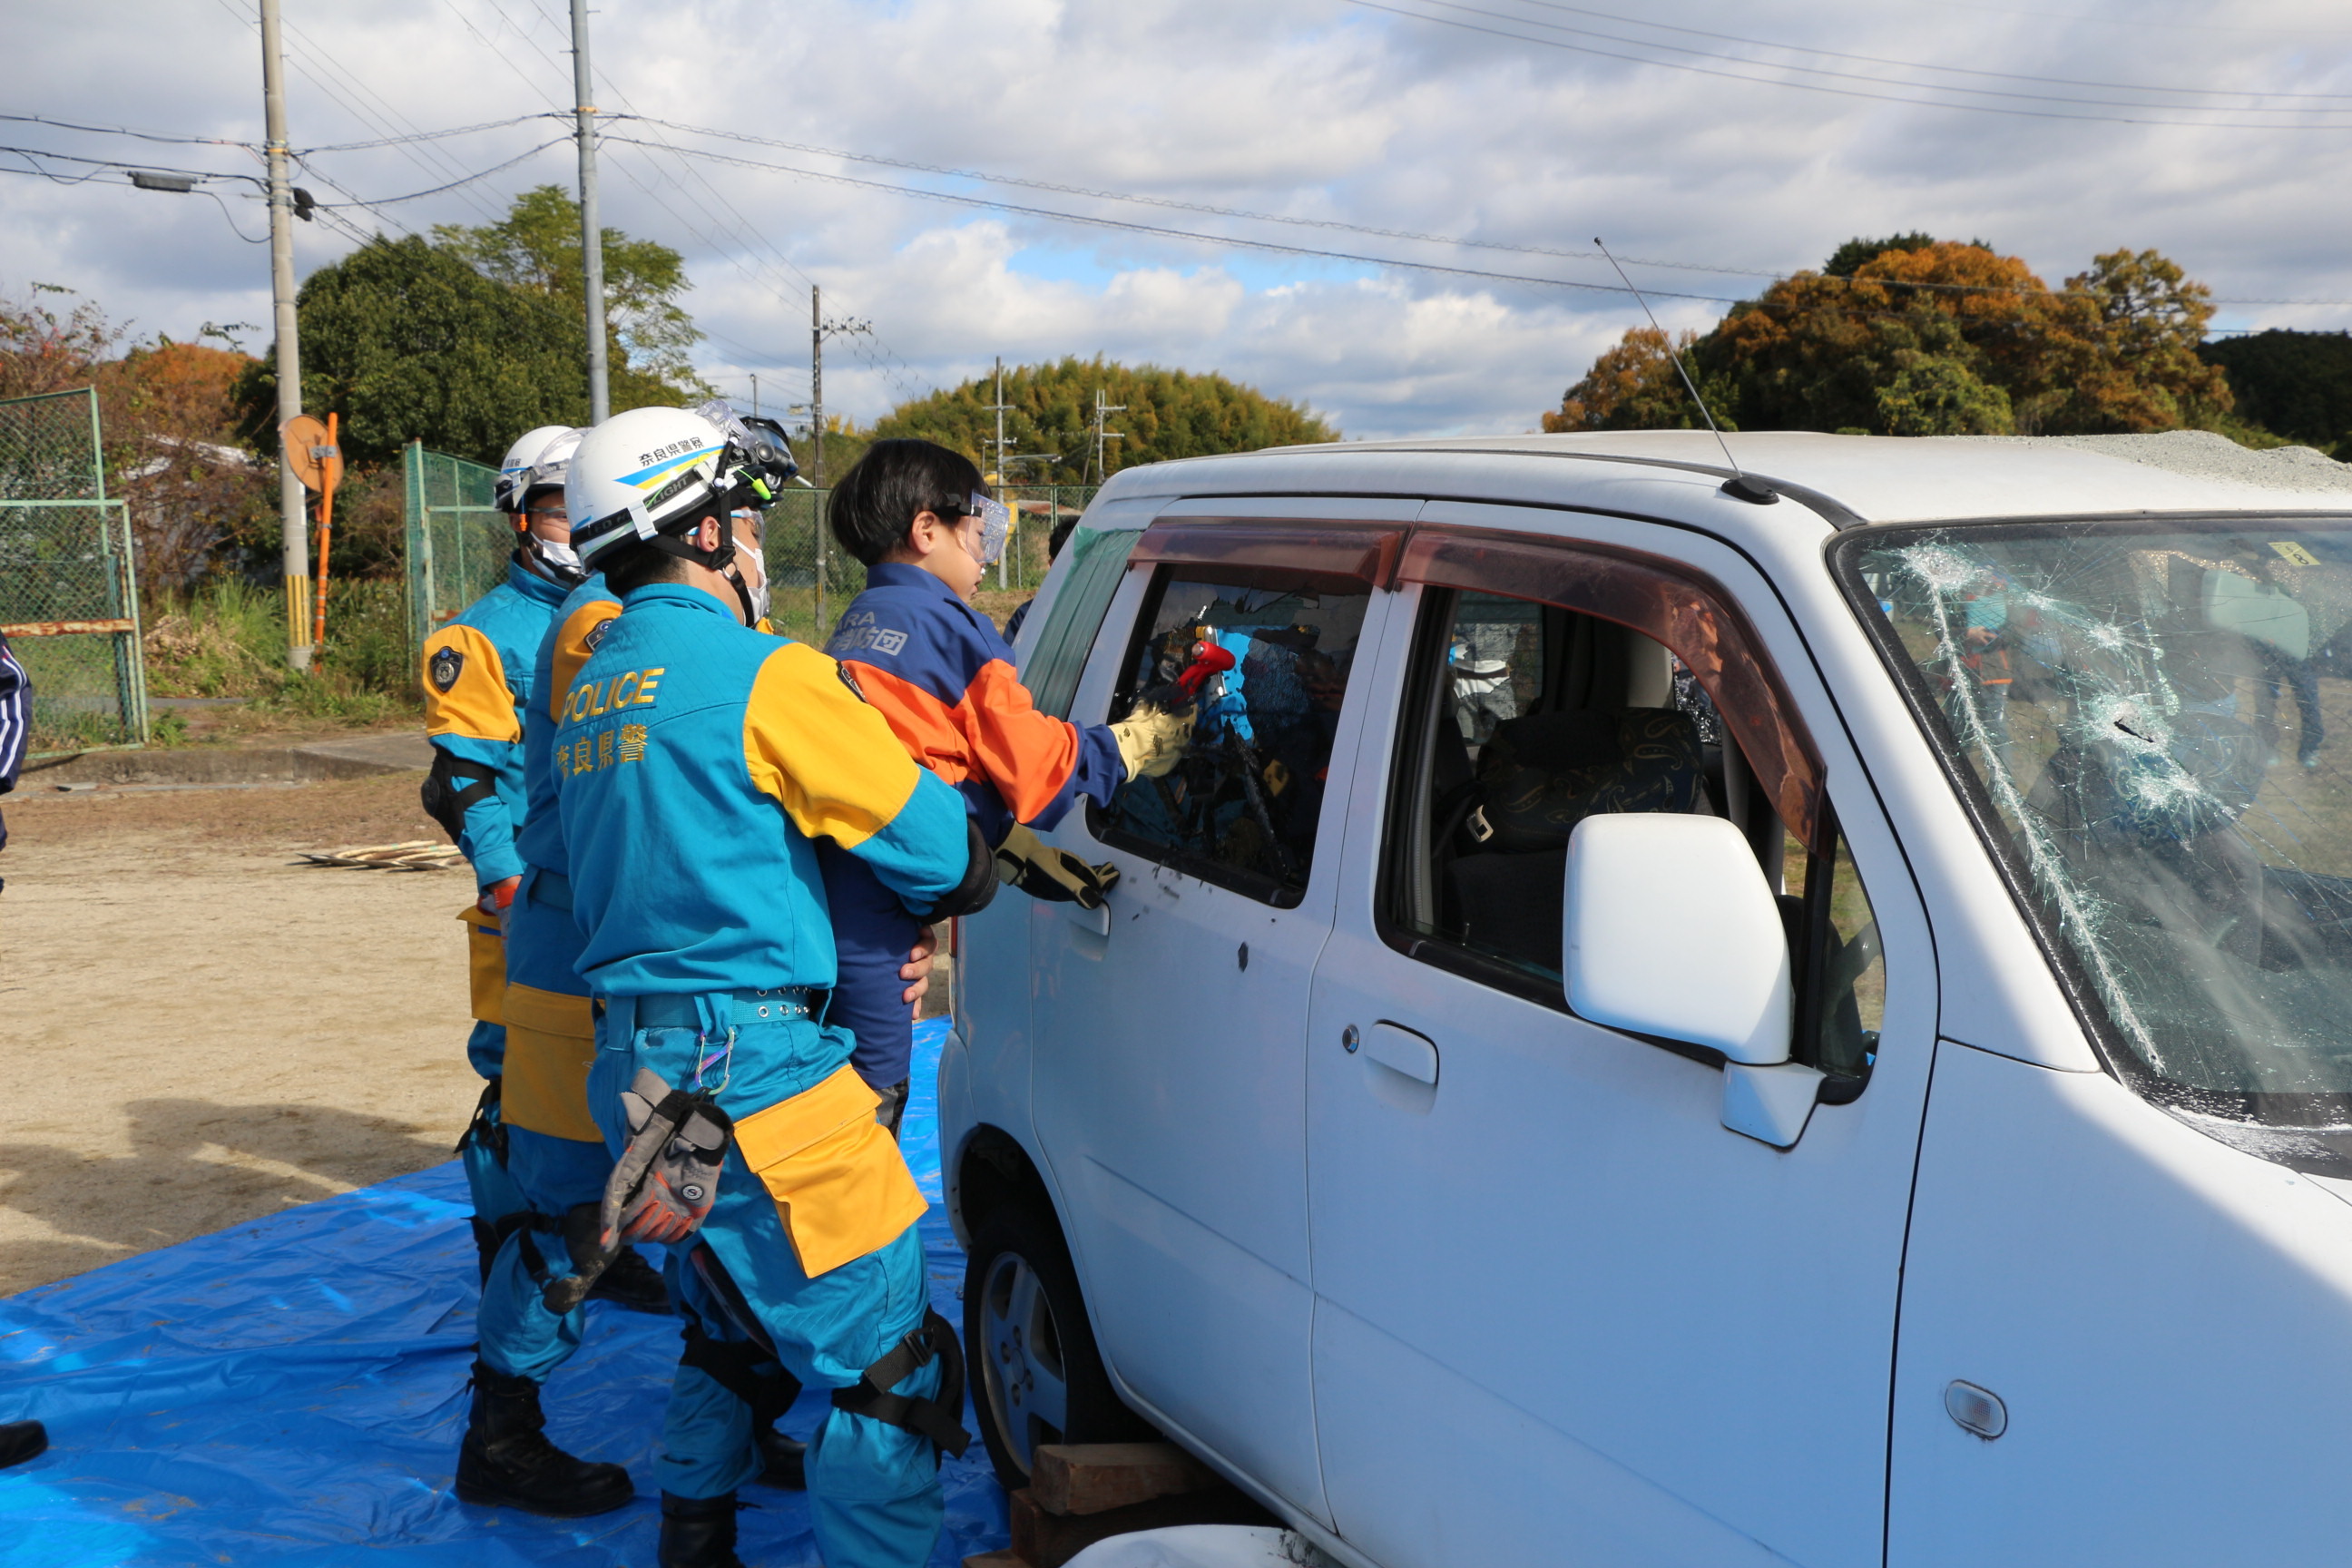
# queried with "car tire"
point(1035, 1374)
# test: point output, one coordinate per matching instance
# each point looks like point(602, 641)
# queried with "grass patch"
point(228, 639)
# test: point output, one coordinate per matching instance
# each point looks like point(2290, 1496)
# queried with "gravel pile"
point(2203, 455)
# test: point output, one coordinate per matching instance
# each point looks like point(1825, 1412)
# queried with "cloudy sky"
point(1720, 142)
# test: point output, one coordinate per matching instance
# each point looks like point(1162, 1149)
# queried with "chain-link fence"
point(459, 546)
point(68, 594)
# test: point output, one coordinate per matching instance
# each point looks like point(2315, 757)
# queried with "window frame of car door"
point(1697, 620)
point(1337, 556)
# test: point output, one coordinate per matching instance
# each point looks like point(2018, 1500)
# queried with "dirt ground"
point(200, 1030)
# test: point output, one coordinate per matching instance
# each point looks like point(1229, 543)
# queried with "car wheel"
point(1036, 1375)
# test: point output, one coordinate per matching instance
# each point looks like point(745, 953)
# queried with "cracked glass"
point(2154, 718)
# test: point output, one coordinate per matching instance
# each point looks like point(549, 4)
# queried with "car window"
point(1097, 558)
point(1524, 719)
point(1843, 992)
point(1260, 661)
point(1494, 663)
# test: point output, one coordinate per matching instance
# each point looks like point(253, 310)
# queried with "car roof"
point(1848, 479)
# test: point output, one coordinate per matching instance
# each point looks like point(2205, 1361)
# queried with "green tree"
point(406, 341)
point(2298, 384)
point(649, 335)
point(1169, 413)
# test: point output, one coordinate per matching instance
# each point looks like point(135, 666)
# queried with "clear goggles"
point(995, 524)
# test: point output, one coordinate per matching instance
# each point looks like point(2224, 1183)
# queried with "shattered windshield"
point(2156, 716)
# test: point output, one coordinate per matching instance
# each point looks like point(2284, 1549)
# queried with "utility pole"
point(816, 389)
point(1102, 474)
point(755, 394)
point(294, 546)
point(591, 232)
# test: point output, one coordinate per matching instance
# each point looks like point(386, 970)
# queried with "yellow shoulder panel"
point(573, 647)
point(465, 688)
point(811, 742)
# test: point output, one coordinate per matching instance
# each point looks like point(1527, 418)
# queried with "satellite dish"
point(317, 462)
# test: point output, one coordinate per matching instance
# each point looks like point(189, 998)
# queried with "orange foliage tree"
point(1930, 338)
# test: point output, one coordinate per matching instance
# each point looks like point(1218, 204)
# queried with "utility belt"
point(624, 1016)
point(542, 886)
point(841, 1188)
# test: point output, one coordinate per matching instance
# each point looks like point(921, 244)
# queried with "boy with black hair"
point(916, 515)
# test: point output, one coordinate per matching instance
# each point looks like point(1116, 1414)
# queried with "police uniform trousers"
point(873, 1488)
point(555, 1152)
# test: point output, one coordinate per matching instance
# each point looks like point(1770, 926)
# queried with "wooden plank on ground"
point(1089, 1477)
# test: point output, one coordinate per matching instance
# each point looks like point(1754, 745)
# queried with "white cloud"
point(1311, 107)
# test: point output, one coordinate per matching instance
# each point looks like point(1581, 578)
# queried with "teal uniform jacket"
point(545, 957)
point(477, 681)
point(697, 761)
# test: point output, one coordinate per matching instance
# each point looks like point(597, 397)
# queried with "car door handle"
point(1402, 1051)
point(1095, 920)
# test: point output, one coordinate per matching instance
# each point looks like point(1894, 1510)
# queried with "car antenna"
point(1739, 484)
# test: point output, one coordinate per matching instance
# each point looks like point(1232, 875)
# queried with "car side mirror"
point(1671, 930)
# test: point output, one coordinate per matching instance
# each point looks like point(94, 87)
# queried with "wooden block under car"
point(1001, 1559)
point(1042, 1540)
point(1091, 1478)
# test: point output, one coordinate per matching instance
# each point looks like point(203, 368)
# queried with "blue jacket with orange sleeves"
point(943, 676)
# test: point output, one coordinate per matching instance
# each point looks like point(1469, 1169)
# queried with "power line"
point(1919, 66)
point(1799, 86)
point(1129, 225)
point(374, 203)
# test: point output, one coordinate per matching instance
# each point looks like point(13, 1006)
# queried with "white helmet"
point(526, 467)
point(650, 474)
point(653, 472)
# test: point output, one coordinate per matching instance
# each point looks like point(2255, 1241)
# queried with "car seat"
point(1503, 842)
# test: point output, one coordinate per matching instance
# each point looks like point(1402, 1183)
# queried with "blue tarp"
point(292, 1391)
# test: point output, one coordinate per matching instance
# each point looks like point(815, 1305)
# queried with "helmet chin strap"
point(721, 561)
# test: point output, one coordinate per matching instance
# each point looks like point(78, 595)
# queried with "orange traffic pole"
point(326, 526)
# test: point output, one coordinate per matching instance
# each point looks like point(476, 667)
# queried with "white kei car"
point(1656, 1025)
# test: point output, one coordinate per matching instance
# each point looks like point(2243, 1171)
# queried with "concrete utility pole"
point(816, 388)
point(1102, 474)
point(294, 542)
point(591, 232)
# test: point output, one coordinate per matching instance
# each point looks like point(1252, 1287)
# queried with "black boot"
point(507, 1461)
point(631, 1283)
point(698, 1532)
point(21, 1440)
point(787, 1461)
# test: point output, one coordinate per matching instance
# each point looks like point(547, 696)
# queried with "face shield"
point(996, 526)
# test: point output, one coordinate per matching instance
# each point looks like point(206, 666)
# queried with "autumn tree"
point(536, 250)
point(1169, 413)
point(195, 491)
point(1631, 387)
point(1928, 337)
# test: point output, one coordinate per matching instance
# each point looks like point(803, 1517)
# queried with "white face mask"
point(756, 590)
point(563, 562)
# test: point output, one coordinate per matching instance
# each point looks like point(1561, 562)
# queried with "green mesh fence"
point(458, 542)
point(459, 546)
point(69, 592)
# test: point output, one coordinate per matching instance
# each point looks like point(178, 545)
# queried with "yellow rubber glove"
point(1152, 741)
point(1028, 862)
